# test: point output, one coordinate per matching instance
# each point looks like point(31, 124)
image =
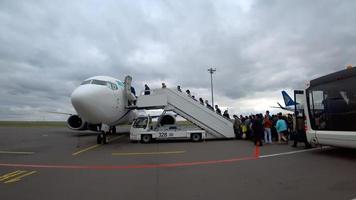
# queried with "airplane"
point(288, 102)
point(101, 103)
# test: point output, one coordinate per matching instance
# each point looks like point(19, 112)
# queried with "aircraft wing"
point(283, 108)
point(61, 113)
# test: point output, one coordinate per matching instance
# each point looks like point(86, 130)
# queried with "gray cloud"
point(47, 48)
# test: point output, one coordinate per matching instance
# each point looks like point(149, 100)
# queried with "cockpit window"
point(98, 82)
point(85, 82)
point(113, 86)
point(120, 83)
point(110, 85)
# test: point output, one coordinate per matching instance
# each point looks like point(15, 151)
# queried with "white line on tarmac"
point(290, 152)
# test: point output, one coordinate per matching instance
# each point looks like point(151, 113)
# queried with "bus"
point(330, 109)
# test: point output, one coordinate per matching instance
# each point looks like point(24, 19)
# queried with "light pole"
point(211, 71)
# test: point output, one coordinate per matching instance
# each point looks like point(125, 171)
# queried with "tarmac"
point(58, 163)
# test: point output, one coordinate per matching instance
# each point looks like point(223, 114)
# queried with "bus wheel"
point(196, 137)
point(146, 138)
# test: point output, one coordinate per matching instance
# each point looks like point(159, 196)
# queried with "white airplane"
point(101, 103)
point(288, 102)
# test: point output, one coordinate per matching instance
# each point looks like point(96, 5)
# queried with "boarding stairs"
point(168, 99)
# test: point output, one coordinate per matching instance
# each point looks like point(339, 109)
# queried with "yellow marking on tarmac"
point(11, 174)
point(15, 176)
point(94, 146)
point(18, 178)
point(147, 153)
point(16, 152)
point(86, 149)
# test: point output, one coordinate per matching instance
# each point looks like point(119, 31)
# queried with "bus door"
point(299, 115)
point(299, 99)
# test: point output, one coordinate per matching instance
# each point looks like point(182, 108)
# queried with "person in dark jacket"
point(188, 93)
point(217, 110)
point(208, 105)
point(258, 130)
point(147, 90)
point(201, 101)
point(226, 114)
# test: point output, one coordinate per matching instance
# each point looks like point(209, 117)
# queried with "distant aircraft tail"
point(288, 101)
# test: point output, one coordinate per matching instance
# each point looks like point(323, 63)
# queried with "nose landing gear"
point(103, 136)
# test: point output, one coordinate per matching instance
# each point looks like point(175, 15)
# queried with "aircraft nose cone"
point(94, 103)
point(79, 98)
point(85, 102)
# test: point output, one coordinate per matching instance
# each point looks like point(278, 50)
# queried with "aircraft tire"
point(98, 139)
point(105, 141)
point(113, 130)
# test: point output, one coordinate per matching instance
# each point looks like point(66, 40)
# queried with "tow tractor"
point(144, 130)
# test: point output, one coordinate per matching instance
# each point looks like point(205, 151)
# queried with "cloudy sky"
point(258, 48)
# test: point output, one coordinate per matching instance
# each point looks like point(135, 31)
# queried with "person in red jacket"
point(267, 124)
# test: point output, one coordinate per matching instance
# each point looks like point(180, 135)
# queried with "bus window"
point(332, 106)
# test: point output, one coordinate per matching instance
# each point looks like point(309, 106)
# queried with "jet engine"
point(167, 119)
point(76, 123)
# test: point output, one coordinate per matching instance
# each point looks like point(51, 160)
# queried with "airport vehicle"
point(101, 103)
point(144, 130)
point(168, 99)
point(330, 109)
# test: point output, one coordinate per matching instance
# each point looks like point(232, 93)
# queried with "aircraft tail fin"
point(288, 101)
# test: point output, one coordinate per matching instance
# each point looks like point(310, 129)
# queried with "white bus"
point(330, 109)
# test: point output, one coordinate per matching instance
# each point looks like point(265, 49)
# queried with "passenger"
point(208, 105)
point(289, 121)
point(133, 91)
point(178, 88)
point(246, 127)
point(258, 129)
point(226, 115)
point(267, 114)
point(282, 128)
point(237, 127)
point(193, 97)
point(267, 123)
point(201, 101)
point(147, 90)
point(273, 128)
point(217, 110)
point(188, 93)
point(164, 85)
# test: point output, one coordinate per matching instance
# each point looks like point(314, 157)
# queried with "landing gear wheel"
point(105, 141)
point(113, 130)
point(146, 138)
point(196, 137)
point(98, 139)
